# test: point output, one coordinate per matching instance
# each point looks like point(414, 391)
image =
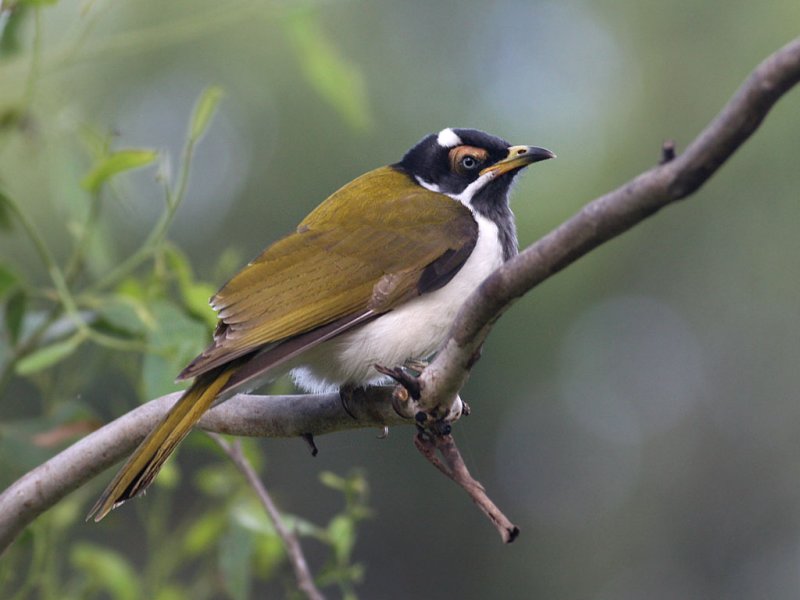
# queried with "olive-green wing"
point(373, 244)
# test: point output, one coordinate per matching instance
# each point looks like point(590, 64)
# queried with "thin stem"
point(76, 260)
point(305, 581)
point(155, 239)
point(56, 275)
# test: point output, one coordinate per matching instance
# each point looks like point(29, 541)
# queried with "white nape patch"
point(428, 185)
point(448, 139)
point(415, 329)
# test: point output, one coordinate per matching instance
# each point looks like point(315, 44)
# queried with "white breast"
point(414, 330)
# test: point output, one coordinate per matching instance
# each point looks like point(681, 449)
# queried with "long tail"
point(143, 465)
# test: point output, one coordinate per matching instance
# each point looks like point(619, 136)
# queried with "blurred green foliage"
point(149, 310)
point(636, 416)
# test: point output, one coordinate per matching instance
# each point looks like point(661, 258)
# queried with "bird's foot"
point(347, 396)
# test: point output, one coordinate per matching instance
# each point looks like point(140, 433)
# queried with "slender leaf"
point(38, 2)
point(8, 280)
point(235, 553)
point(174, 341)
point(49, 355)
point(125, 313)
point(107, 570)
point(204, 111)
point(336, 79)
point(5, 212)
point(116, 163)
point(195, 294)
point(342, 536)
point(15, 311)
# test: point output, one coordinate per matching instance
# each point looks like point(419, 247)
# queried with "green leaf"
point(174, 341)
point(342, 536)
point(14, 313)
point(333, 481)
point(5, 212)
point(235, 552)
point(8, 280)
point(204, 111)
point(126, 313)
point(49, 355)
point(204, 533)
point(268, 555)
point(195, 294)
point(38, 2)
point(116, 163)
point(12, 33)
point(336, 79)
point(107, 570)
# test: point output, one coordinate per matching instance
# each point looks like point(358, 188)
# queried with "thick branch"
point(262, 416)
point(598, 222)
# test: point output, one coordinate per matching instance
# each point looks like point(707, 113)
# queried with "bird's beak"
point(518, 157)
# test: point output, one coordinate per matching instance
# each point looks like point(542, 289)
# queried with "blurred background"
point(637, 415)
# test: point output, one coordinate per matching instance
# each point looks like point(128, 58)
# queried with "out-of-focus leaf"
point(342, 536)
point(336, 79)
point(107, 570)
point(66, 512)
point(204, 111)
point(333, 481)
point(268, 555)
point(127, 314)
point(204, 532)
point(14, 313)
point(174, 341)
point(8, 279)
point(132, 287)
point(10, 33)
point(38, 2)
point(170, 592)
point(49, 355)
point(235, 552)
point(195, 294)
point(123, 160)
point(5, 212)
point(252, 517)
point(169, 477)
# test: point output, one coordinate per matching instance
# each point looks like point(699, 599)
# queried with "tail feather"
point(143, 465)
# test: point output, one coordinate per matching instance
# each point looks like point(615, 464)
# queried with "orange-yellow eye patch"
point(464, 159)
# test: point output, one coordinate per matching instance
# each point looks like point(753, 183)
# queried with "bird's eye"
point(469, 162)
point(464, 160)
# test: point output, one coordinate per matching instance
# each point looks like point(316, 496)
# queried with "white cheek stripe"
point(465, 197)
point(448, 138)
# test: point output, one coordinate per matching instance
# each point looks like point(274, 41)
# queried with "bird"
point(375, 275)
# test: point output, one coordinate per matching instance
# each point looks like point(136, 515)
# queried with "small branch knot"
point(667, 152)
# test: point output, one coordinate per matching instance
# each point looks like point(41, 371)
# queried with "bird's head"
point(469, 165)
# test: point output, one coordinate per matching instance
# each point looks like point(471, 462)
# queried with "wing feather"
point(336, 267)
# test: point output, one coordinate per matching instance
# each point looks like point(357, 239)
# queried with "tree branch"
point(245, 415)
point(603, 219)
point(598, 222)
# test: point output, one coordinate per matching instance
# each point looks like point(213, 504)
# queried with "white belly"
point(415, 330)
